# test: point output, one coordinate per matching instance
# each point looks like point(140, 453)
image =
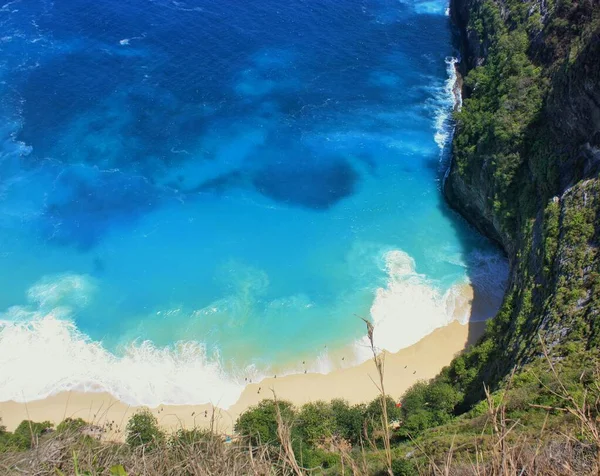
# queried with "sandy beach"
point(420, 361)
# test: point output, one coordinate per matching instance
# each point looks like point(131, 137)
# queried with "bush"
point(404, 467)
point(4, 437)
point(27, 434)
point(190, 437)
point(71, 425)
point(316, 458)
point(259, 422)
point(348, 420)
point(142, 429)
point(373, 411)
point(373, 415)
point(315, 423)
point(425, 405)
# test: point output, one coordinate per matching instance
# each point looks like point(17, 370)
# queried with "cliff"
point(525, 172)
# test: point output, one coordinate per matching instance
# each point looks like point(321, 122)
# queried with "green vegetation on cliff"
point(525, 171)
point(505, 98)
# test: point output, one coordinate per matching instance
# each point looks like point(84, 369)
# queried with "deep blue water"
point(204, 190)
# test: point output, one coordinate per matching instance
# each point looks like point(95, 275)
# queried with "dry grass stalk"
point(379, 359)
point(343, 449)
point(284, 433)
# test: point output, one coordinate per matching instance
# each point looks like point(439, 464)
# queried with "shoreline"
point(420, 361)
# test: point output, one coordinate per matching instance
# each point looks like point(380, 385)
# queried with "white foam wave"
point(127, 41)
point(447, 100)
point(50, 292)
point(51, 355)
point(42, 352)
point(408, 308)
point(10, 147)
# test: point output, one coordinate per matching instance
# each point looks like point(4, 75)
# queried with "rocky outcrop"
point(573, 111)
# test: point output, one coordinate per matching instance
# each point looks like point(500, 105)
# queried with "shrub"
point(71, 425)
point(27, 434)
point(373, 418)
point(4, 437)
point(317, 458)
point(190, 437)
point(404, 467)
point(142, 429)
point(425, 405)
point(259, 422)
point(348, 420)
point(373, 411)
point(315, 423)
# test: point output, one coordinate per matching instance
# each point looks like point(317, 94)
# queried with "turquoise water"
point(196, 193)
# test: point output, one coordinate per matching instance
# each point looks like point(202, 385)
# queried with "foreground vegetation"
point(544, 420)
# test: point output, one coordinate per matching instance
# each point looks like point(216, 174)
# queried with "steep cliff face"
point(526, 172)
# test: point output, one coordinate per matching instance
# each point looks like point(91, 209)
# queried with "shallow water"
point(195, 193)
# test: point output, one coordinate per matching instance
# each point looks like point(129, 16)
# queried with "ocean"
point(195, 194)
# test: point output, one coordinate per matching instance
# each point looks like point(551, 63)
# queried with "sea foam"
point(42, 352)
point(447, 99)
point(410, 307)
